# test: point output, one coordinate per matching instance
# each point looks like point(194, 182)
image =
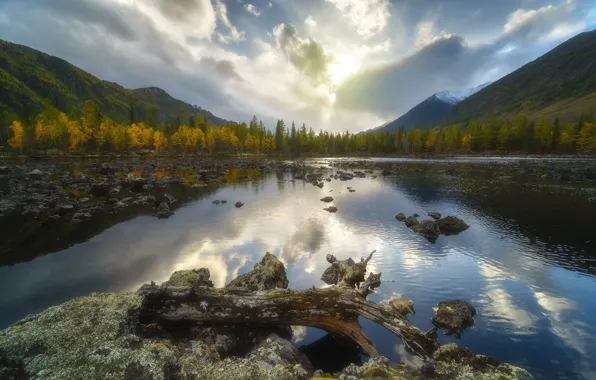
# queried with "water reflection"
point(527, 280)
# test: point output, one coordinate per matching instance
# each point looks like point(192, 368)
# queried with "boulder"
point(190, 278)
point(435, 215)
point(401, 217)
point(163, 211)
point(120, 204)
point(427, 228)
point(35, 174)
point(81, 215)
point(64, 207)
point(411, 221)
point(454, 316)
point(268, 274)
point(106, 169)
point(331, 209)
point(239, 204)
point(451, 225)
point(386, 172)
point(327, 199)
point(215, 202)
point(275, 351)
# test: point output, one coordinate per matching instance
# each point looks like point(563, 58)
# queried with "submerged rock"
point(435, 215)
point(427, 228)
point(327, 199)
point(411, 221)
point(454, 316)
point(239, 204)
point(331, 209)
point(266, 275)
point(401, 217)
point(451, 225)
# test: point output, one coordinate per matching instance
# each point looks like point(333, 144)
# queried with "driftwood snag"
point(335, 309)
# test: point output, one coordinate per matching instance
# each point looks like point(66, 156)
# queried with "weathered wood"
point(334, 309)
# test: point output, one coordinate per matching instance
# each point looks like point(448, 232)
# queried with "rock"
point(435, 215)
point(345, 176)
point(5, 170)
point(147, 188)
point(351, 190)
point(81, 215)
point(415, 215)
point(386, 172)
point(239, 204)
point(31, 211)
point(167, 198)
point(427, 228)
point(401, 305)
point(269, 274)
point(54, 217)
point(163, 211)
point(331, 209)
point(320, 185)
point(216, 202)
point(190, 278)
point(106, 168)
point(454, 316)
point(411, 221)
point(454, 362)
point(200, 186)
point(120, 204)
point(64, 207)
point(224, 201)
point(35, 174)
point(275, 351)
point(100, 189)
point(451, 225)
point(401, 217)
point(138, 184)
point(327, 199)
point(114, 191)
point(172, 180)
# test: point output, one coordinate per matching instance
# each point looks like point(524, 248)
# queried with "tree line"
point(54, 130)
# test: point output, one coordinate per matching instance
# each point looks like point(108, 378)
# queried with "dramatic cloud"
point(368, 17)
point(333, 64)
point(305, 54)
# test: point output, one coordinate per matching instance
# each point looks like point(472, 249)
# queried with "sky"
point(332, 64)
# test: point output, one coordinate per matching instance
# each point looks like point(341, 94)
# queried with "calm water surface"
point(527, 263)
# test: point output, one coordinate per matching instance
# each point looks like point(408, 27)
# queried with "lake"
point(527, 262)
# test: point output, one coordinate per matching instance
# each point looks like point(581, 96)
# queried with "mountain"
point(28, 76)
point(431, 111)
point(561, 83)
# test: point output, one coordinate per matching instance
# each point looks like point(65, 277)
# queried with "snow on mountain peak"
point(454, 97)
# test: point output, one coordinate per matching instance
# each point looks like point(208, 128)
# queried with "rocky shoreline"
point(108, 336)
point(46, 206)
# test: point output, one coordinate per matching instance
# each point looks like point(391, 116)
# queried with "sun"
point(341, 69)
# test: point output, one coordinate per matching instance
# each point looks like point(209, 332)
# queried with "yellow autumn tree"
point(466, 141)
point(40, 132)
point(160, 141)
point(18, 135)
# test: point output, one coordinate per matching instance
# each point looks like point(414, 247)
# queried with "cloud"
point(252, 9)
point(444, 61)
point(233, 35)
point(426, 34)
point(305, 54)
point(310, 22)
point(368, 17)
point(188, 12)
point(223, 67)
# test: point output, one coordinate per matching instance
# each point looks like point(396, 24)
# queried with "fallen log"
point(334, 309)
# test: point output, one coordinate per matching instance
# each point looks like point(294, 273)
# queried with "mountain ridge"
point(29, 76)
point(560, 83)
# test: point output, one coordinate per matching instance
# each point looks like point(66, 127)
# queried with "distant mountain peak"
point(427, 113)
point(454, 97)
